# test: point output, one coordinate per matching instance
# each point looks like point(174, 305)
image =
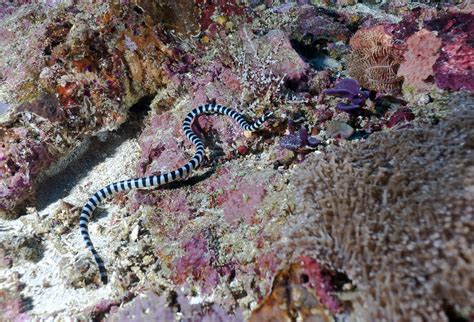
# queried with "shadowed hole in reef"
point(96, 151)
point(453, 315)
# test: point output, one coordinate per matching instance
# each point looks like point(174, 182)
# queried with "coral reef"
point(376, 210)
point(316, 217)
point(426, 47)
point(165, 178)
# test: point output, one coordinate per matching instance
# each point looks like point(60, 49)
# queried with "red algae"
point(197, 262)
point(417, 67)
point(321, 281)
point(455, 65)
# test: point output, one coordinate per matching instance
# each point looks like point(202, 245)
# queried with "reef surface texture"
point(353, 203)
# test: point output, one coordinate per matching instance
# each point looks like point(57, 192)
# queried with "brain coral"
point(395, 213)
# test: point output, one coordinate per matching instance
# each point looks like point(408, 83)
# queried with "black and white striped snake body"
point(158, 180)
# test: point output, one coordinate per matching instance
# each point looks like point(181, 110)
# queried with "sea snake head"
point(268, 115)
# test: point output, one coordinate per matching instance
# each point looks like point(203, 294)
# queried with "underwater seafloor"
point(353, 203)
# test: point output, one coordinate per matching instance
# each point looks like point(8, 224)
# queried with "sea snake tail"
point(158, 180)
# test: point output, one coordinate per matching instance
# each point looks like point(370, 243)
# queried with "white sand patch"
point(44, 280)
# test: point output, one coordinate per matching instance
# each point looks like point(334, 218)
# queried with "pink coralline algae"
point(242, 202)
point(422, 53)
point(12, 304)
point(163, 152)
point(21, 159)
point(409, 24)
point(202, 260)
point(237, 196)
point(209, 8)
point(148, 306)
point(454, 68)
point(287, 61)
point(173, 204)
point(197, 262)
point(12, 308)
point(169, 149)
point(267, 264)
point(212, 85)
point(321, 281)
point(214, 125)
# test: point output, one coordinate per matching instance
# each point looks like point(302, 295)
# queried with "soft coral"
point(350, 89)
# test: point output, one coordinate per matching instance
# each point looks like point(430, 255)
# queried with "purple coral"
point(291, 142)
point(294, 142)
point(349, 89)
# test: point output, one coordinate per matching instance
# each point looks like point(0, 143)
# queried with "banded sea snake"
point(157, 180)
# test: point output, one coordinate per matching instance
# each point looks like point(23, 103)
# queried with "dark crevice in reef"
point(452, 315)
point(92, 153)
point(311, 49)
